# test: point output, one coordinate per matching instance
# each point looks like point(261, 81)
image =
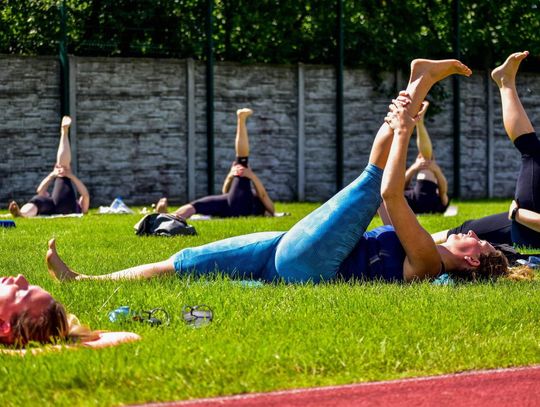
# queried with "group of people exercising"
point(329, 243)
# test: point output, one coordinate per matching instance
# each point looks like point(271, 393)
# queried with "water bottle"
point(121, 314)
point(117, 203)
point(7, 224)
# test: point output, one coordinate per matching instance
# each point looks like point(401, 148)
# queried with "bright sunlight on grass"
point(266, 338)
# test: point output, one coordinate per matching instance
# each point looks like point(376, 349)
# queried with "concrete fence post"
point(489, 130)
point(190, 88)
point(301, 165)
point(72, 91)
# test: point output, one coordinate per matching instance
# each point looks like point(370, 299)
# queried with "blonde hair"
point(53, 325)
point(520, 273)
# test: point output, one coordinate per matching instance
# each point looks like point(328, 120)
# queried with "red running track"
point(501, 387)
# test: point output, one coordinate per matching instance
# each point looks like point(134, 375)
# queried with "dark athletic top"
point(62, 201)
point(378, 255)
point(424, 197)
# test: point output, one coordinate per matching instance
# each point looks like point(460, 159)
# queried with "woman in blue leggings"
point(521, 224)
point(332, 241)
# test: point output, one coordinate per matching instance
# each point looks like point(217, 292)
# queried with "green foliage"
point(378, 34)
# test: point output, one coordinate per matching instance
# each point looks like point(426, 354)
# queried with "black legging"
point(239, 201)
point(424, 197)
point(498, 228)
point(527, 187)
point(493, 228)
point(63, 199)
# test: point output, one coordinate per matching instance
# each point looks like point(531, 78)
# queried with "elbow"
point(389, 194)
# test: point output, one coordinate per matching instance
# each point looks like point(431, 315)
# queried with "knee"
point(295, 266)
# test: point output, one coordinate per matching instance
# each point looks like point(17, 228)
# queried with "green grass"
point(262, 339)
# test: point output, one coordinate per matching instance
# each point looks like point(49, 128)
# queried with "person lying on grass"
point(30, 315)
point(429, 194)
point(63, 199)
point(237, 198)
point(520, 225)
point(331, 242)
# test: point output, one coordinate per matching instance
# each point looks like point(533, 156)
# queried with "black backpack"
point(163, 224)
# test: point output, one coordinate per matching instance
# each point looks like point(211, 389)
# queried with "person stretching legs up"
point(317, 246)
point(237, 198)
point(525, 209)
point(524, 228)
point(429, 192)
point(63, 199)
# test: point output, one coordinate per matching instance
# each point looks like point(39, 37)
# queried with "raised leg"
point(516, 121)
point(61, 272)
point(424, 74)
point(162, 206)
point(185, 211)
point(423, 141)
point(316, 246)
point(27, 211)
point(63, 155)
point(241, 143)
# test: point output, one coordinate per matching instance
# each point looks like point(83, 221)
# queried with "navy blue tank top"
point(378, 255)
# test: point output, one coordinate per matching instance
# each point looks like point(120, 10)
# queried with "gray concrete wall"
point(29, 109)
point(131, 127)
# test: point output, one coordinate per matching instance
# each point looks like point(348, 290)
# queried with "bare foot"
point(14, 209)
point(244, 113)
point(57, 268)
point(66, 122)
point(437, 70)
point(162, 206)
point(505, 74)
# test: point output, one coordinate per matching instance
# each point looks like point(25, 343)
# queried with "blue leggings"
point(313, 250)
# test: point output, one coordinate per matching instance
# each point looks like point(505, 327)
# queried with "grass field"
point(262, 339)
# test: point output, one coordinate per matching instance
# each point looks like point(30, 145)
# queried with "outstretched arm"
point(236, 170)
point(442, 184)
point(383, 213)
point(46, 182)
point(107, 339)
point(422, 259)
point(525, 217)
point(409, 175)
point(260, 190)
point(84, 200)
point(228, 181)
point(411, 172)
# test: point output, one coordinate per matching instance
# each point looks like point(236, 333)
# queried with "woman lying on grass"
point(429, 194)
point(237, 198)
point(521, 224)
point(63, 199)
point(331, 242)
point(29, 314)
